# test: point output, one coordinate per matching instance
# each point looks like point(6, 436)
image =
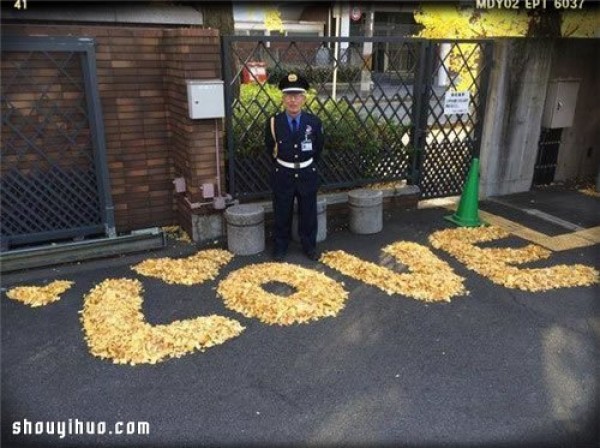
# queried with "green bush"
point(363, 138)
point(257, 102)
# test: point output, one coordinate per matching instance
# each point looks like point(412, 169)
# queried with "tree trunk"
point(545, 23)
point(219, 16)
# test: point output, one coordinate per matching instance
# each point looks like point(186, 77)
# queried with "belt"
point(295, 165)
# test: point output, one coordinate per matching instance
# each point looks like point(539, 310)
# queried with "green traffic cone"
point(467, 214)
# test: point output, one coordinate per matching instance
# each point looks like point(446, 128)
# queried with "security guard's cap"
point(293, 83)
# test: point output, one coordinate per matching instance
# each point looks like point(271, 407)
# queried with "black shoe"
point(278, 256)
point(313, 255)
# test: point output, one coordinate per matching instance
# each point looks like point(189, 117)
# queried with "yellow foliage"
point(447, 21)
point(273, 21)
point(451, 22)
point(464, 59)
point(582, 23)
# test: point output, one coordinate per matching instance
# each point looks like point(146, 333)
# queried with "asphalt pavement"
point(498, 367)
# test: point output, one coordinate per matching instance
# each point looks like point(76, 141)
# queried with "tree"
point(581, 23)
point(218, 15)
point(447, 21)
point(454, 21)
point(273, 20)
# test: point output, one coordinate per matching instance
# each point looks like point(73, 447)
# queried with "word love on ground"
point(115, 327)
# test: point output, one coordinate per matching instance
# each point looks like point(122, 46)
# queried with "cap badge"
point(292, 77)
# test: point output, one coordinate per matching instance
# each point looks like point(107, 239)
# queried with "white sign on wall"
point(457, 103)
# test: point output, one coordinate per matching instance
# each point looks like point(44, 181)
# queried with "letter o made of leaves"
point(315, 296)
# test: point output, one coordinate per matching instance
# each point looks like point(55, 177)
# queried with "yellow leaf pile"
point(495, 263)
point(35, 296)
point(115, 327)
point(387, 185)
point(590, 192)
point(192, 270)
point(316, 294)
point(430, 279)
point(177, 233)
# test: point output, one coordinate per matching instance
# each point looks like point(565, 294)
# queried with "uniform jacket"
point(290, 144)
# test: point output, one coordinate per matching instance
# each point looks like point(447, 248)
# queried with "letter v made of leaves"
point(429, 279)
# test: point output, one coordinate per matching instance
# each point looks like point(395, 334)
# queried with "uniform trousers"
point(300, 184)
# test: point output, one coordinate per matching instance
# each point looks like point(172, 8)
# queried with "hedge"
point(345, 129)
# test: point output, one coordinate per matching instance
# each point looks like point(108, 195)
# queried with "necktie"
point(294, 125)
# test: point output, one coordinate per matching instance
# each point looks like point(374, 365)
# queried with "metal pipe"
point(329, 12)
point(336, 47)
point(217, 149)
point(444, 67)
point(367, 70)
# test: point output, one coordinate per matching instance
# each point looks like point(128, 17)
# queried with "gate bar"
point(86, 47)
point(488, 58)
point(422, 110)
point(226, 66)
point(96, 123)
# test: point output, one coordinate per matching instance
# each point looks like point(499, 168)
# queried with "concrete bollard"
point(245, 229)
point(321, 221)
point(366, 211)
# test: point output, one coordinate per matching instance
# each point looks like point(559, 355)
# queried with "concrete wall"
point(516, 96)
point(521, 72)
point(579, 152)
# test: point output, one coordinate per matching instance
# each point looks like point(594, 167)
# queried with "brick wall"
point(149, 137)
point(189, 55)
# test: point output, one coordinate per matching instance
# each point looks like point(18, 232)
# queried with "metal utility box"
point(205, 99)
point(561, 99)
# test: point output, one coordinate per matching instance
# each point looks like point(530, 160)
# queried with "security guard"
point(294, 141)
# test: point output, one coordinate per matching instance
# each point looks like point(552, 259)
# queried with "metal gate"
point(54, 173)
point(381, 124)
point(547, 156)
